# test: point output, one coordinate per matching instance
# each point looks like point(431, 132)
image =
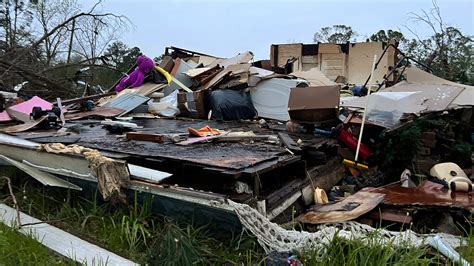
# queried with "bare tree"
point(15, 21)
point(447, 51)
point(49, 13)
point(94, 35)
point(56, 20)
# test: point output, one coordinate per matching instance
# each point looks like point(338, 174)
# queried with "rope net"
point(272, 237)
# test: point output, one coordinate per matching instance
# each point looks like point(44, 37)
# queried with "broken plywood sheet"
point(257, 75)
point(143, 90)
point(238, 59)
point(232, 69)
point(348, 209)
point(239, 77)
point(314, 76)
point(207, 60)
point(416, 75)
point(196, 71)
point(424, 195)
point(270, 97)
point(98, 111)
point(23, 127)
point(180, 67)
point(147, 88)
point(228, 155)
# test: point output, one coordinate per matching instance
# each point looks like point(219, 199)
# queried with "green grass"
point(356, 252)
point(19, 249)
point(135, 232)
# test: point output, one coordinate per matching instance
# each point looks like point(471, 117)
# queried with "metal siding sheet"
point(127, 102)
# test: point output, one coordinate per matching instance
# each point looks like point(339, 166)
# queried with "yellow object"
point(353, 164)
point(320, 196)
point(165, 73)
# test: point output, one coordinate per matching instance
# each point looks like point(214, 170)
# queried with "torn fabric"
point(111, 174)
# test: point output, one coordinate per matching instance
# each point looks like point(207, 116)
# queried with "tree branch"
point(30, 75)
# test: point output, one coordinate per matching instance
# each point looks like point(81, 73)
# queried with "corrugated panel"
point(127, 102)
point(43, 177)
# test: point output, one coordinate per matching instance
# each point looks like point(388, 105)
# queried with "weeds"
point(366, 252)
point(135, 232)
point(18, 249)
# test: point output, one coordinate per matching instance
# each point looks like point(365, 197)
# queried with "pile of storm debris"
point(320, 130)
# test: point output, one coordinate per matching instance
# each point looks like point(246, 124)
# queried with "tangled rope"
point(111, 174)
point(272, 237)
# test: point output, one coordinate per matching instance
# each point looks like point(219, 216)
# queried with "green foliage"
point(15, 23)
point(386, 35)
point(179, 246)
point(18, 249)
point(136, 233)
point(120, 58)
point(398, 150)
point(335, 34)
point(467, 244)
point(368, 251)
point(449, 53)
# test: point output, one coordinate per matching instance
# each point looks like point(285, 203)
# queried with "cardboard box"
point(191, 104)
point(314, 104)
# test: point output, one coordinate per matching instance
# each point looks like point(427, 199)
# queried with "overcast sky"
point(225, 28)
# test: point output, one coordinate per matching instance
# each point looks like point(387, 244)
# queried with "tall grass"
point(18, 249)
point(135, 232)
point(369, 252)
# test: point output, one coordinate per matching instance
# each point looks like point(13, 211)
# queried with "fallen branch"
point(80, 65)
point(15, 203)
point(30, 75)
point(63, 24)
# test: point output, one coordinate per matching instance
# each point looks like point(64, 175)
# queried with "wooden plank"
point(98, 111)
point(147, 174)
point(392, 216)
point(289, 142)
point(328, 175)
point(83, 99)
point(197, 140)
point(348, 209)
point(143, 136)
point(24, 127)
point(62, 242)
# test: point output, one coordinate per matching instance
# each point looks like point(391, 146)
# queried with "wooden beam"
point(289, 142)
point(91, 97)
point(144, 136)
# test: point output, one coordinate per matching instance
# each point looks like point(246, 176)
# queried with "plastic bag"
point(167, 106)
point(231, 105)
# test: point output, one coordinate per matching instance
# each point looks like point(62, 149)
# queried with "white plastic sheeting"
point(387, 107)
point(270, 97)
